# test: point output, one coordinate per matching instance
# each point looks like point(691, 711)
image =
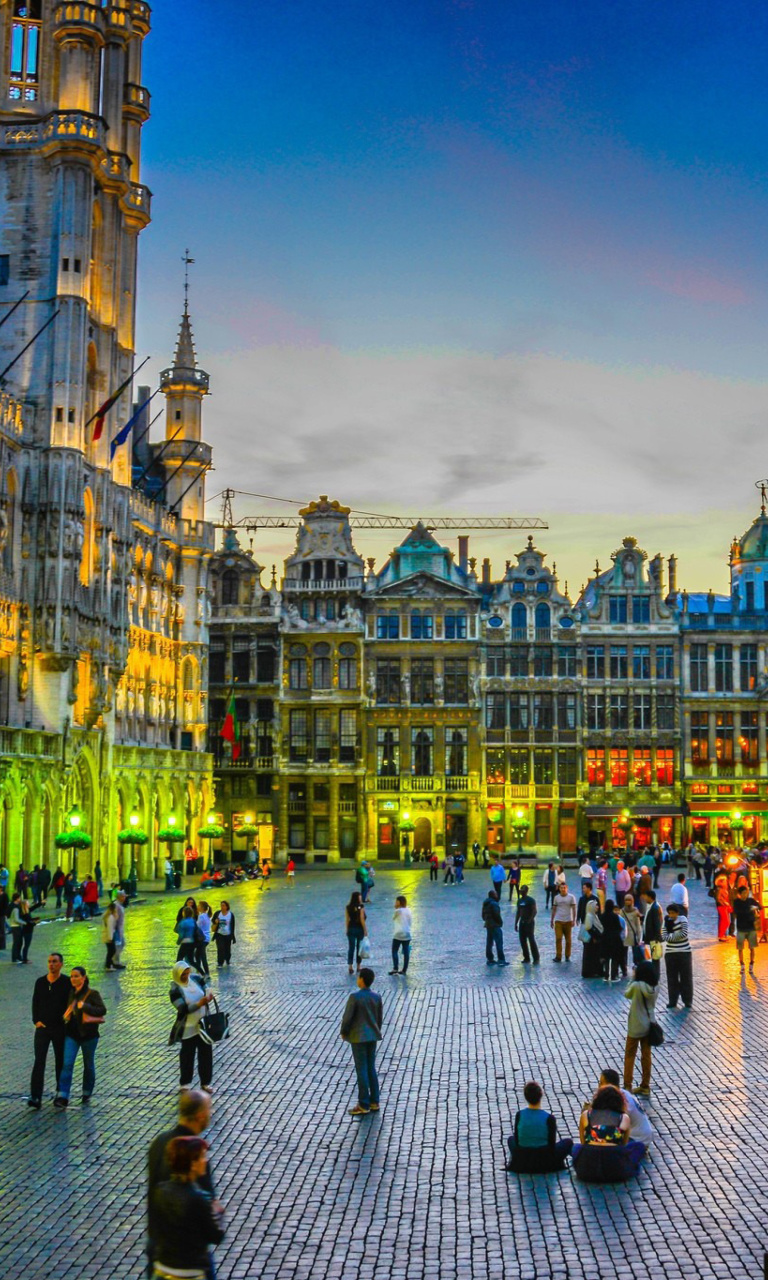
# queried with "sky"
point(472, 257)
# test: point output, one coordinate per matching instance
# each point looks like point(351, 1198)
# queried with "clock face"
point(495, 621)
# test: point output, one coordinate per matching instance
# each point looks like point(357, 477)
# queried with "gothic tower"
point(71, 206)
point(185, 457)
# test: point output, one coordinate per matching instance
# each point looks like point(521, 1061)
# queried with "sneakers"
point(393, 971)
point(60, 1103)
point(640, 1092)
point(359, 1111)
point(207, 1088)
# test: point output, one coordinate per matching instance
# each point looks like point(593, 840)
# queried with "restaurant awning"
point(644, 811)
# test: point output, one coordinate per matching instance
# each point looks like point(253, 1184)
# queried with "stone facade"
point(103, 592)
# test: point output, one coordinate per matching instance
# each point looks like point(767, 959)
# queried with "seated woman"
point(607, 1153)
point(533, 1147)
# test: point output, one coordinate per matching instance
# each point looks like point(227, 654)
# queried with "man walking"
point(549, 880)
point(562, 920)
point(50, 998)
point(745, 909)
point(361, 1028)
point(678, 958)
point(525, 923)
point(498, 876)
point(652, 929)
point(679, 895)
point(476, 852)
point(194, 1119)
point(494, 933)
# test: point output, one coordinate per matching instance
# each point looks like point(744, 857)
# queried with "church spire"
point(185, 357)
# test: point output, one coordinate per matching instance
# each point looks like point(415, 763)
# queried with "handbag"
point(215, 1026)
point(584, 934)
point(655, 1031)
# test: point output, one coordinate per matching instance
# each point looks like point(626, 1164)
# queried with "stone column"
point(333, 820)
point(712, 745)
point(282, 818)
point(361, 841)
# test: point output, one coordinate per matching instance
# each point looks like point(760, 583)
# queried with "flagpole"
point(159, 454)
point(40, 331)
point(204, 466)
point(15, 307)
point(111, 400)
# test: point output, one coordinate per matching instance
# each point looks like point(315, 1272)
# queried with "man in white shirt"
point(679, 894)
point(640, 1127)
point(586, 873)
point(562, 920)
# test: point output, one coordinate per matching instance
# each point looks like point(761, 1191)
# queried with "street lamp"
point(247, 828)
point(737, 823)
point(210, 832)
point(133, 876)
point(520, 825)
point(74, 818)
point(626, 825)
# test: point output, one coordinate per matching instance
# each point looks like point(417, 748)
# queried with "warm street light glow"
point(519, 813)
point(211, 818)
point(134, 820)
point(407, 815)
point(75, 817)
point(172, 820)
point(249, 818)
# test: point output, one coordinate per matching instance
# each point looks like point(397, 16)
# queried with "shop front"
point(729, 828)
point(494, 828)
point(616, 827)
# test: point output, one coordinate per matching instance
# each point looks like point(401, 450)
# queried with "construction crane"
point(370, 519)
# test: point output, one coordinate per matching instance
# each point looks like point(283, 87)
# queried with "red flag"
point(102, 412)
point(230, 730)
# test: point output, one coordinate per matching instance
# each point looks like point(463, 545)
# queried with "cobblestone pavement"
point(419, 1190)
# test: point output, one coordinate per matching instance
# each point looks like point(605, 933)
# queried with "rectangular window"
point(298, 739)
point(5, 268)
point(265, 662)
point(566, 712)
point(455, 752)
point(456, 625)
point(641, 766)
point(641, 609)
point(699, 668)
point(494, 764)
point(387, 751)
point(216, 666)
point(567, 768)
point(422, 744)
point(518, 662)
point(321, 669)
point(748, 667)
point(724, 736)
point(322, 736)
point(519, 765)
point(241, 659)
point(543, 768)
point(595, 767)
point(387, 626)
point(387, 681)
point(348, 672)
point(700, 737)
point(422, 682)
point(748, 738)
point(665, 662)
point(542, 660)
point(618, 609)
point(518, 712)
point(543, 712)
point(347, 736)
point(422, 625)
point(724, 668)
point(619, 766)
point(495, 708)
point(665, 766)
point(641, 662)
point(665, 711)
point(596, 712)
point(456, 683)
point(297, 673)
point(595, 662)
point(495, 665)
point(619, 711)
point(641, 711)
point(566, 662)
point(618, 662)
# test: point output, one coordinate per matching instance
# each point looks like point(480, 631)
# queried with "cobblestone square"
point(419, 1190)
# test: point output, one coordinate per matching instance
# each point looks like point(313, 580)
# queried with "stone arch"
point(87, 556)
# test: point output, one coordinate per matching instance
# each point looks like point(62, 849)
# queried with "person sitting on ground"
point(534, 1146)
point(640, 1127)
point(606, 1152)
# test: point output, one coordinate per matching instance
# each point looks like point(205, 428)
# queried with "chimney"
point(463, 552)
point(486, 572)
point(672, 572)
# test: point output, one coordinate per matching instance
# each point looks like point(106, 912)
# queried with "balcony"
point(348, 808)
point(422, 784)
point(79, 19)
point(136, 101)
point(518, 791)
point(323, 584)
point(456, 783)
point(29, 743)
point(140, 13)
point(387, 783)
point(77, 127)
point(495, 790)
point(137, 205)
point(518, 633)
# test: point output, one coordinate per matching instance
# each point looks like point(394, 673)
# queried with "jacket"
point(652, 923)
point(93, 1005)
point(184, 1225)
point(643, 997)
point(361, 1021)
point(49, 1000)
point(526, 911)
point(158, 1171)
point(492, 914)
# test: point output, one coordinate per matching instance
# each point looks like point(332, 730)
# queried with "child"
point(77, 906)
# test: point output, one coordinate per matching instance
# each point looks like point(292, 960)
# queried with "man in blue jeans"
point(494, 934)
point(361, 1028)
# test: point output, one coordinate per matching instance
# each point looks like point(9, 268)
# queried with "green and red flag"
point(230, 730)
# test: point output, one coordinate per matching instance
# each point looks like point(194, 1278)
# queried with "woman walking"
point(223, 926)
point(22, 924)
point(188, 997)
point(185, 930)
point(57, 884)
point(613, 942)
point(591, 935)
point(633, 936)
point(356, 928)
point(186, 1221)
point(202, 938)
point(82, 1017)
point(108, 927)
point(642, 993)
point(402, 935)
point(189, 903)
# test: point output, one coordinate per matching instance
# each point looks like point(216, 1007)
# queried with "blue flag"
point(125, 431)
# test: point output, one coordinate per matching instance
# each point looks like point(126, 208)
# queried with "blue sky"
point(472, 255)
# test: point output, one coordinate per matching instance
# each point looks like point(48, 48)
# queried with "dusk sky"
point(468, 256)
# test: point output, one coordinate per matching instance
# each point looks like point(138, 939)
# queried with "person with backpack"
point(494, 933)
point(549, 880)
point(361, 879)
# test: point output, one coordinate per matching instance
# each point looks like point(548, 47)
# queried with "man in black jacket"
point(194, 1119)
point(525, 924)
point(494, 934)
point(652, 925)
point(361, 1028)
point(581, 906)
point(50, 998)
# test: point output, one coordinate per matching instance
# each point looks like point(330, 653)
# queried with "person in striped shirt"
point(678, 957)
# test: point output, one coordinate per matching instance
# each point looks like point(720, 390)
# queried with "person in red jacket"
point(91, 895)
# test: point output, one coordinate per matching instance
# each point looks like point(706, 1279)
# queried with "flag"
point(230, 731)
point(101, 413)
point(123, 434)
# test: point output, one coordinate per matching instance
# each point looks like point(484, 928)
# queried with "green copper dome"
point(754, 544)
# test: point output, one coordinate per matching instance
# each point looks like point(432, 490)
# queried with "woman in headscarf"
point(591, 935)
point(188, 997)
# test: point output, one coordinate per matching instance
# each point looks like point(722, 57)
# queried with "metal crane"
point(370, 519)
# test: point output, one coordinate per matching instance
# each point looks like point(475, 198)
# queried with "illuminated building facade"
point(103, 592)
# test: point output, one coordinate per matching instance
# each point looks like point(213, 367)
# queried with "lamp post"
point(520, 825)
point(74, 818)
point(626, 825)
point(737, 824)
point(247, 828)
point(405, 827)
point(133, 876)
point(210, 832)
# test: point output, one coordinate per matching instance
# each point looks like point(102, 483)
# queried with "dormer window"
point(542, 587)
point(618, 609)
point(25, 51)
point(229, 587)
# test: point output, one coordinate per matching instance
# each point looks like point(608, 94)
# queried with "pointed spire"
point(185, 357)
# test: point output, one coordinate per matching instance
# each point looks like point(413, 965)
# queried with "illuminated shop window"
point(596, 767)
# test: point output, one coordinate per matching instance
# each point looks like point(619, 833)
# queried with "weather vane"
point(762, 485)
point(187, 264)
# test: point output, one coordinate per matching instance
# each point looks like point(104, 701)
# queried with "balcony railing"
point(323, 584)
point(77, 126)
point(422, 784)
point(347, 807)
point(29, 742)
point(387, 783)
point(495, 790)
point(518, 633)
point(456, 783)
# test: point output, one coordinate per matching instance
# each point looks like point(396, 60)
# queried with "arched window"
point(89, 539)
point(543, 617)
point(321, 666)
point(25, 51)
point(229, 587)
point(519, 618)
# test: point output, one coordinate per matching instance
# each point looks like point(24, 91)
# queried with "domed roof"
point(754, 543)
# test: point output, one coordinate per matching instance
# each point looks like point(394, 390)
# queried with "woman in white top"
point(402, 935)
point(190, 1002)
point(224, 933)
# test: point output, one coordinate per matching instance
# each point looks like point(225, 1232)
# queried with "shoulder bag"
point(655, 1030)
point(215, 1026)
